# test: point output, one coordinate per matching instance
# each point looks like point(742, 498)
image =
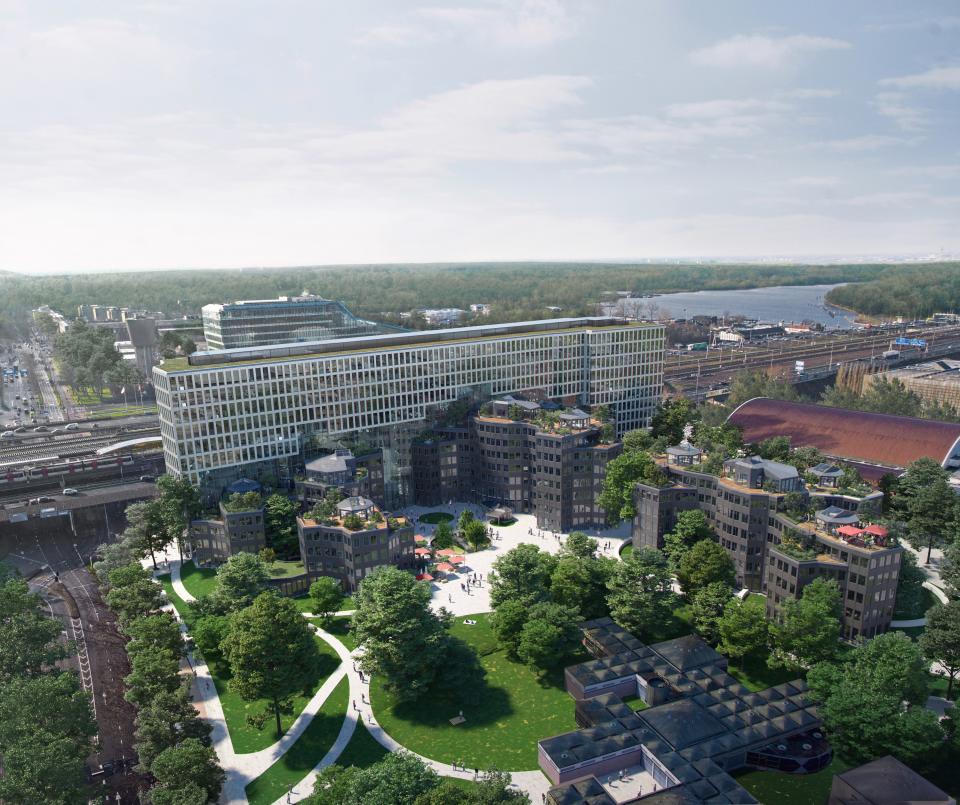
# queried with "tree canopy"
point(623, 474)
point(640, 597)
point(810, 630)
point(705, 563)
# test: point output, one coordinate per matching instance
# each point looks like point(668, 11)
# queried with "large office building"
point(267, 410)
point(262, 322)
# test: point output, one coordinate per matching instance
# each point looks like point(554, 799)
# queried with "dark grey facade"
point(330, 548)
point(215, 540)
point(550, 467)
point(352, 475)
point(657, 508)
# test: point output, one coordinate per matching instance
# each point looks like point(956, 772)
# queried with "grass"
point(199, 581)
point(754, 673)
point(680, 624)
point(284, 569)
point(938, 686)
point(339, 628)
point(246, 737)
point(363, 749)
point(305, 603)
point(506, 714)
point(308, 750)
point(791, 789)
point(626, 549)
point(435, 517)
point(926, 601)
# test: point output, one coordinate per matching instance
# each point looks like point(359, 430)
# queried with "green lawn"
point(506, 715)
point(199, 581)
point(435, 517)
point(362, 751)
point(938, 686)
point(680, 624)
point(754, 673)
point(779, 788)
point(927, 600)
point(283, 569)
point(626, 549)
point(245, 737)
point(305, 603)
point(309, 750)
point(339, 628)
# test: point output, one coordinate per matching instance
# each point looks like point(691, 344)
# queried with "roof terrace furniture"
point(833, 517)
point(684, 454)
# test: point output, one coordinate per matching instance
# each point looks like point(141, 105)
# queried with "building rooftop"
point(880, 439)
point(309, 349)
point(687, 652)
point(887, 781)
point(333, 463)
point(354, 505)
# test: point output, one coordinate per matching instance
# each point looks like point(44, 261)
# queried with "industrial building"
point(874, 443)
point(268, 410)
point(287, 319)
point(935, 382)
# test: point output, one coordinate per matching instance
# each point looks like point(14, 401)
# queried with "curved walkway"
point(940, 595)
point(241, 769)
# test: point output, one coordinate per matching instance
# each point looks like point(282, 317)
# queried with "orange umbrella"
point(446, 567)
point(422, 551)
point(420, 538)
point(455, 560)
point(447, 552)
point(424, 577)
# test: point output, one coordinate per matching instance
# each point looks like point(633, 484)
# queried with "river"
point(787, 303)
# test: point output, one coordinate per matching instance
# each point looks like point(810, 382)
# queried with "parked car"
point(70, 491)
point(147, 479)
point(72, 426)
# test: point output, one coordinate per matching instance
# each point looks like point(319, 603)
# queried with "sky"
point(207, 133)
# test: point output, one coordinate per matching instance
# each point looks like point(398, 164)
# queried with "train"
point(32, 470)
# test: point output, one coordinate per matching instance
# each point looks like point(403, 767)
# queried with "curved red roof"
point(882, 439)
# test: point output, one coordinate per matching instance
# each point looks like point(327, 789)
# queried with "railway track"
point(66, 448)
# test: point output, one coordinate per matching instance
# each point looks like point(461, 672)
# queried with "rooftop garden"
point(243, 502)
point(791, 545)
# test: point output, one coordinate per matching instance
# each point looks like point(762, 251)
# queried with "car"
point(7, 434)
point(41, 429)
point(70, 491)
point(71, 426)
point(21, 429)
point(149, 479)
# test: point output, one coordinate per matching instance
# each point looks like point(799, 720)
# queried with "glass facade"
point(261, 322)
point(384, 391)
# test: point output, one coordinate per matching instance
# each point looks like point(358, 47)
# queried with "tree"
point(708, 606)
point(862, 702)
point(637, 440)
point(154, 670)
point(466, 516)
point(160, 630)
point(910, 595)
point(403, 639)
point(208, 633)
point(690, 528)
point(189, 763)
point(580, 545)
point(280, 521)
point(326, 596)
point(926, 502)
point(705, 563)
point(940, 641)
point(398, 778)
point(28, 638)
point(640, 598)
point(507, 623)
point(757, 383)
point(491, 788)
point(113, 555)
point(442, 536)
point(333, 786)
point(44, 768)
point(133, 593)
point(521, 574)
point(239, 580)
point(623, 474)
point(743, 628)
point(776, 448)
point(810, 631)
point(671, 417)
point(179, 504)
point(145, 532)
point(950, 569)
point(267, 555)
point(271, 651)
point(581, 583)
point(549, 636)
point(165, 721)
point(475, 533)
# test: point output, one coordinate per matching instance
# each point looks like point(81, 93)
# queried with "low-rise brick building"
point(215, 539)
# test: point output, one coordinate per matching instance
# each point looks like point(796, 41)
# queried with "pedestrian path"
point(533, 782)
point(940, 595)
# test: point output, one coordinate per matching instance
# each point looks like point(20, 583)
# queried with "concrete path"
point(473, 599)
point(939, 594)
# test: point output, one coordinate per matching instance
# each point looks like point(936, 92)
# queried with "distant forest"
point(516, 290)
point(910, 290)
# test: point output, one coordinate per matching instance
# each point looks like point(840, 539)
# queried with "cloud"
point(894, 106)
point(932, 25)
point(935, 78)
point(814, 181)
point(810, 94)
point(527, 24)
point(395, 35)
point(949, 170)
point(723, 108)
point(764, 51)
point(865, 142)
